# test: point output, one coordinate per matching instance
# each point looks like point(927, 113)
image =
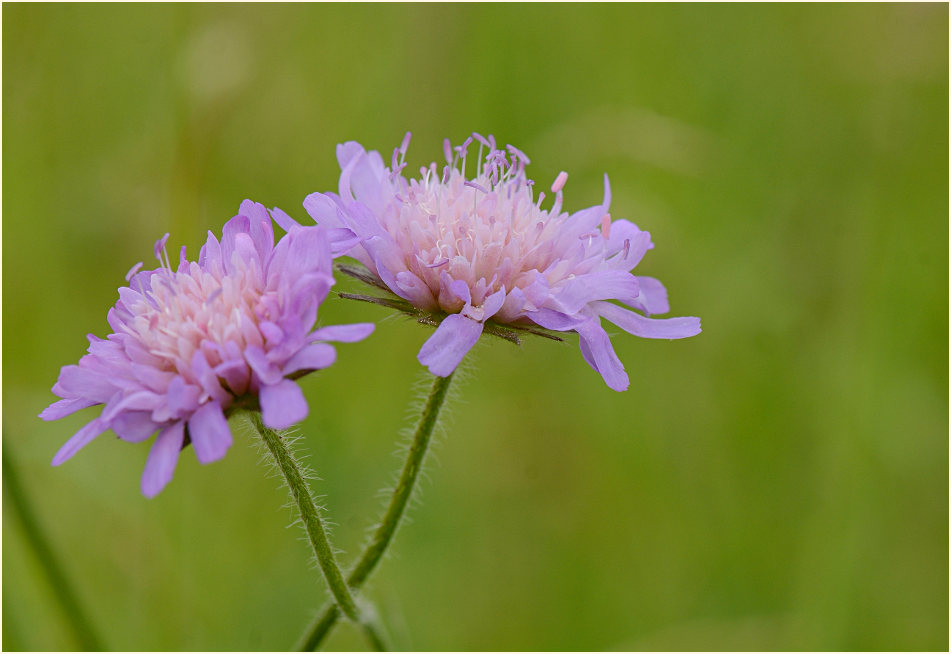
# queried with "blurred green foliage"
point(778, 482)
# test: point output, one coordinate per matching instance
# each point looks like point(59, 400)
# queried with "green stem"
point(314, 527)
point(70, 604)
point(325, 621)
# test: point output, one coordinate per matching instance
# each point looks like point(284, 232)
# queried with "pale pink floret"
point(482, 247)
point(188, 344)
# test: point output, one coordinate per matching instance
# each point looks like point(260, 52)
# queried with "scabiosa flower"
point(232, 329)
point(483, 249)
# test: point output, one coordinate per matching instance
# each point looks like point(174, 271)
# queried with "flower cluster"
point(482, 248)
point(234, 328)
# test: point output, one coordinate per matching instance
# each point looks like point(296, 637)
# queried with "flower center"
point(489, 231)
point(176, 313)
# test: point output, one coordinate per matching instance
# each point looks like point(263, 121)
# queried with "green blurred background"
point(778, 482)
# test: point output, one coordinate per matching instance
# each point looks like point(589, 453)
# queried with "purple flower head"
point(482, 249)
point(232, 329)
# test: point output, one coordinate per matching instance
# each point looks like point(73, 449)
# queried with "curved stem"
point(319, 629)
point(313, 525)
point(325, 621)
point(85, 635)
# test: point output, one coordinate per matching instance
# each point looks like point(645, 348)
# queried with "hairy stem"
point(85, 635)
point(310, 516)
point(325, 621)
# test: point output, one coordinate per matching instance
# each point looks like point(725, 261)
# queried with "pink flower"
point(483, 248)
point(235, 328)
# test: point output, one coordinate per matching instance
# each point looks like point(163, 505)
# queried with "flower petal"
point(206, 376)
point(313, 357)
point(343, 333)
point(209, 257)
point(554, 320)
point(209, 432)
point(342, 240)
point(245, 251)
point(271, 332)
point(364, 179)
point(324, 211)
point(63, 408)
point(387, 263)
point(134, 426)
point(237, 225)
point(493, 303)
point(627, 245)
point(413, 288)
point(446, 348)
point(599, 353)
point(283, 220)
point(139, 401)
point(235, 374)
point(347, 151)
point(634, 323)
point(303, 251)
point(163, 457)
point(77, 381)
point(182, 397)
point(266, 370)
point(457, 287)
point(80, 440)
point(512, 306)
point(151, 377)
point(652, 298)
point(260, 230)
point(282, 404)
point(597, 285)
